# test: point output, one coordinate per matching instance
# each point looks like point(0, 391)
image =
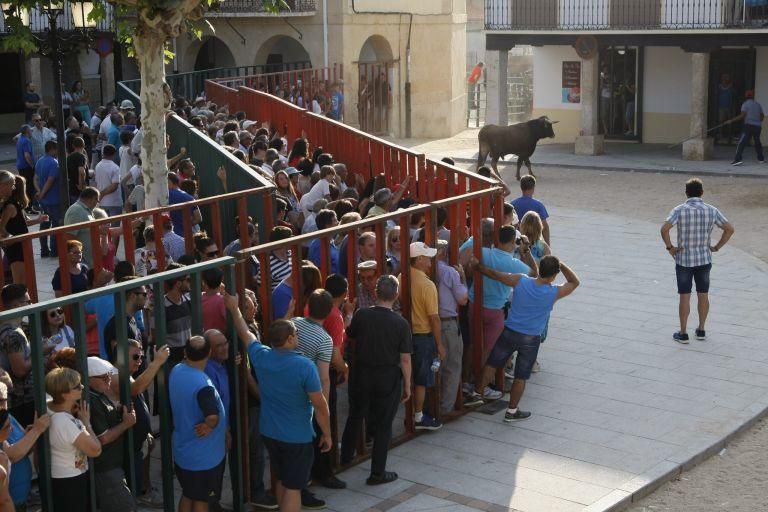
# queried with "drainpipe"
point(325, 37)
point(175, 58)
point(407, 62)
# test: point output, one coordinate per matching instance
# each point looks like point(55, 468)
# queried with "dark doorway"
point(620, 95)
point(731, 73)
point(11, 89)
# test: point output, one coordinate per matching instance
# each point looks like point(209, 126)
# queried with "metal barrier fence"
point(191, 84)
point(624, 14)
point(36, 313)
point(254, 201)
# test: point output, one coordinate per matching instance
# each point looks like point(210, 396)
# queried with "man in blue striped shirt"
point(695, 220)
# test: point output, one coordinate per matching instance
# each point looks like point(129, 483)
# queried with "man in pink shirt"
point(214, 310)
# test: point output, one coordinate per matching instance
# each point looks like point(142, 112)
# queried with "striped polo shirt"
point(314, 341)
point(279, 269)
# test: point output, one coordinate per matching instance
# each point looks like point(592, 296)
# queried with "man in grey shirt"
point(752, 115)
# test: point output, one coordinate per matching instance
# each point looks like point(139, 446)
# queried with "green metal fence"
point(192, 84)
point(36, 313)
point(208, 157)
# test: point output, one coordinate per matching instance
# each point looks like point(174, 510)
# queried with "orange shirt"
point(475, 75)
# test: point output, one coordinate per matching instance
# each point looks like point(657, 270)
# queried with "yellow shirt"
point(423, 301)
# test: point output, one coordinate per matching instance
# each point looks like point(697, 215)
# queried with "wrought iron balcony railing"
point(624, 14)
point(256, 7)
point(38, 20)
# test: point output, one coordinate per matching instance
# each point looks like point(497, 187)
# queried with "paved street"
point(618, 404)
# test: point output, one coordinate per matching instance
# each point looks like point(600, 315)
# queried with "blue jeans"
point(54, 220)
point(748, 132)
point(526, 346)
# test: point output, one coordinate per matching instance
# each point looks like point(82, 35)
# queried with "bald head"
point(218, 343)
point(198, 348)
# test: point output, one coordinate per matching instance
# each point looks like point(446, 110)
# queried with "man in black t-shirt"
point(77, 169)
point(31, 102)
point(380, 366)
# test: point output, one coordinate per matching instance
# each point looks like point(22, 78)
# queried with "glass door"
point(619, 93)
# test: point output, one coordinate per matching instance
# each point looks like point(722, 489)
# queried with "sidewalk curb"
point(627, 169)
point(673, 470)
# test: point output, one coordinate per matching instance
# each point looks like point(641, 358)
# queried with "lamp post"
point(55, 43)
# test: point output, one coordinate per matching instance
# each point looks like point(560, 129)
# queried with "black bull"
point(518, 139)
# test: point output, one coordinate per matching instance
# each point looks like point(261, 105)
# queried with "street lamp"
point(55, 43)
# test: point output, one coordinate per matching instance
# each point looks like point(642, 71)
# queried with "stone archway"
point(376, 76)
point(282, 53)
point(213, 53)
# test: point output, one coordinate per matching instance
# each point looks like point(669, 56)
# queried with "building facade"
point(652, 71)
point(398, 45)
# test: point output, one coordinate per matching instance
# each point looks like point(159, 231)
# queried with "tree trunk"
point(149, 54)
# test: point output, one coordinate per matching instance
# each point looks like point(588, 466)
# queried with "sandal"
point(384, 478)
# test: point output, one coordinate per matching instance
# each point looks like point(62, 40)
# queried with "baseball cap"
point(98, 367)
point(749, 93)
point(421, 249)
point(291, 171)
point(442, 245)
point(247, 124)
point(199, 99)
point(126, 105)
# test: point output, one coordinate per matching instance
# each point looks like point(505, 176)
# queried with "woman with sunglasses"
point(72, 440)
point(393, 250)
point(57, 335)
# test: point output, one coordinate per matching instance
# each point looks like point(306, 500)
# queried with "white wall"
point(667, 83)
point(761, 76)
point(548, 77)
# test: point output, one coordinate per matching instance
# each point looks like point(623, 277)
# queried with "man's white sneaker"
point(491, 394)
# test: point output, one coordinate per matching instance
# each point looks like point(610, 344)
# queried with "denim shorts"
point(526, 346)
point(424, 352)
point(687, 275)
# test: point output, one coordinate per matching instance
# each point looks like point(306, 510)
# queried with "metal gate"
point(374, 97)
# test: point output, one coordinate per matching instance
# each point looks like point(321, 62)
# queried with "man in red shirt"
point(474, 83)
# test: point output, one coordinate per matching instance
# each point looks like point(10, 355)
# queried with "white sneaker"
point(536, 367)
point(491, 394)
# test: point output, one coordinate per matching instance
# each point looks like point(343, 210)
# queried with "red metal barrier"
point(127, 220)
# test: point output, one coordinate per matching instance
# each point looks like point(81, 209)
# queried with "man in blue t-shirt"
point(25, 160)
point(337, 104)
point(532, 302)
point(177, 196)
point(199, 428)
point(752, 116)
point(290, 390)
point(47, 195)
point(526, 203)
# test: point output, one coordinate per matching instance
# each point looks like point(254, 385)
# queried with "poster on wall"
point(571, 81)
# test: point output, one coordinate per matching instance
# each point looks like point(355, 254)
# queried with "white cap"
point(248, 123)
point(422, 249)
point(367, 265)
point(98, 367)
point(126, 105)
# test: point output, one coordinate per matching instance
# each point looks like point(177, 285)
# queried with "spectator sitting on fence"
point(199, 428)
point(72, 439)
point(18, 446)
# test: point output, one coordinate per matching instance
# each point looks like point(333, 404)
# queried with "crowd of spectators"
point(353, 338)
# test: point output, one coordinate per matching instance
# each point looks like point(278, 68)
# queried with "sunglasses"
point(138, 357)
point(78, 387)
point(56, 312)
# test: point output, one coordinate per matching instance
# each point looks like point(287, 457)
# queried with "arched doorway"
point(213, 53)
point(282, 53)
point(376, 76)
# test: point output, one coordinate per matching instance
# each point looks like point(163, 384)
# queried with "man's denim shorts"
point(526, 346)
point(424, 352)
point(687, 275)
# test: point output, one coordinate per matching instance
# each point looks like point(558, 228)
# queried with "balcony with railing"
point(38, 21)
point(242, 8)
point(553, 15)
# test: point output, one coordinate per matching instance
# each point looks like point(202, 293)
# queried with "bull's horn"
point(554, 122)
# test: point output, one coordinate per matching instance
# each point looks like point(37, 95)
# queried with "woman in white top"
point(72, 440)
point(56, 333)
